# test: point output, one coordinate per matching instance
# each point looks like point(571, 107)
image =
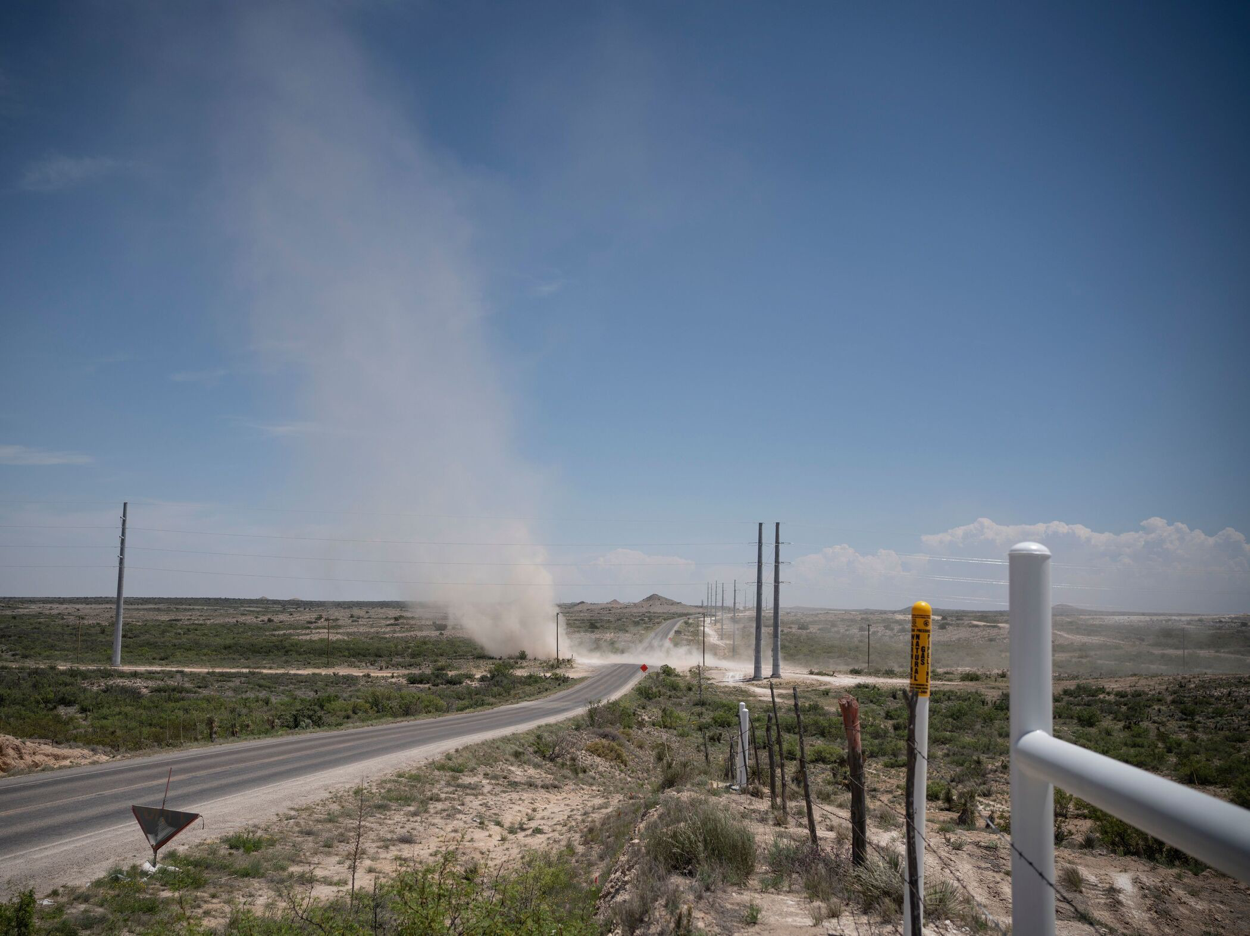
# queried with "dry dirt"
point(18, 755)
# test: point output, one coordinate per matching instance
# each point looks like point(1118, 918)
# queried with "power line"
point(305, 578)
point(386, 542)
point(448, 562)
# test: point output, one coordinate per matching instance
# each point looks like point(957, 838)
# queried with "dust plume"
point(355, 252)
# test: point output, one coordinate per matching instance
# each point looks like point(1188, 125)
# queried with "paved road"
point(63, 825)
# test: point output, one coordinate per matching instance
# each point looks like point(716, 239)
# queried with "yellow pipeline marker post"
point(921, 631)
point(921, 665)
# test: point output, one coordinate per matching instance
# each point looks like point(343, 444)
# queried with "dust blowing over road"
point(354, 251)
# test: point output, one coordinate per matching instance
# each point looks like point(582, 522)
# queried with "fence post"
point(913, 893)
point(807, 787)
point(855, 765)
point(1032, 799)
point(781, 753)
point(772, 763)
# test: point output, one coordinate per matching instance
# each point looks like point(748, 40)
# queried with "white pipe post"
point(921, 666)
point(1209, 829)
point(1032, 797)
point(744, 732)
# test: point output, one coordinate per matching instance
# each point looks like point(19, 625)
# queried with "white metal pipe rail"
point(1209, 829)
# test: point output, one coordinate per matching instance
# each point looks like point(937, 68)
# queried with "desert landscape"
point(572, 823)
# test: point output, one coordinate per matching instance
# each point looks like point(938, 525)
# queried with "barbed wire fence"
point(933, 848)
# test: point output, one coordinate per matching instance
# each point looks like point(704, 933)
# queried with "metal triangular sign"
point(160, 825)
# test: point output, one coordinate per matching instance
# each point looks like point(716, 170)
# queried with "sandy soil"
point(18, 755)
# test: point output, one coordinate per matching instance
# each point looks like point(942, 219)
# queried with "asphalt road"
point(63, 825)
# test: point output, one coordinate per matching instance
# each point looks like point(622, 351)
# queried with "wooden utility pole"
point(758, 672)
point(868, 668)
point(855, 764)
point(777, 602)
point(807, 787)
point(121, 580)
point(781, 753)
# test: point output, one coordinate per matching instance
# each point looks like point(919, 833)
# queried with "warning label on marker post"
point(921, 630)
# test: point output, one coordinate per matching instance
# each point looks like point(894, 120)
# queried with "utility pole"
point(777, 602)
point(735, 607)
point(758, 672)
point(703, 665)
point(121, 581)
point(868, 668)
point(557, 638)
point(722, 609)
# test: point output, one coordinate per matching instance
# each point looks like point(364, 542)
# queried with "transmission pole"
point(777, 602)
point(758, 672)
point(121, 581)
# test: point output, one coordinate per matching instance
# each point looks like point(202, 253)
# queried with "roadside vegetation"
point(144, 710)
point(232, 633)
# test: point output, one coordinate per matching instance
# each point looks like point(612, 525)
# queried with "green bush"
point(17, 916)
point(608, 751)
point(698, 838)
point(1124, 839)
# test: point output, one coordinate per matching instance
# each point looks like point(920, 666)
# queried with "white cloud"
point(1157, 546)
point(549, 287)
point(55, 173)
point(207, 377)
point(24, 455)
point(284, 429)
point(1160, 567)
point(633, 557)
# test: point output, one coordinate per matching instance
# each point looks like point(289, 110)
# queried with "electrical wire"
point(533, 565)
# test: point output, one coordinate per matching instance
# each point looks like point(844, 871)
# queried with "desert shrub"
point(879, 883)
point(1071, 879)
point(609, 715)
point(608, 750)
point(1118, 836)
point(674, 773)
point(699, 838)
point(821, 874)
point(17, 915)
point(247, 841)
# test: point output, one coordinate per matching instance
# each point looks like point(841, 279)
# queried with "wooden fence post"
point(915, 905)
point(855, 764)
point(781, 753)
point(807, 789)
point(772, 763)
point(755, 743)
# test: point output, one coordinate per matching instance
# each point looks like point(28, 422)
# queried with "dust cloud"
point(356, 263)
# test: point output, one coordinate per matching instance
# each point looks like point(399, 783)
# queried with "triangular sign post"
point(160, 825)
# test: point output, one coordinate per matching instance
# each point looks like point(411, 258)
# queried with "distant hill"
point(654, 600)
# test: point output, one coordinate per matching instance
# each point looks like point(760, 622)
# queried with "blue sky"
point(883, 271)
